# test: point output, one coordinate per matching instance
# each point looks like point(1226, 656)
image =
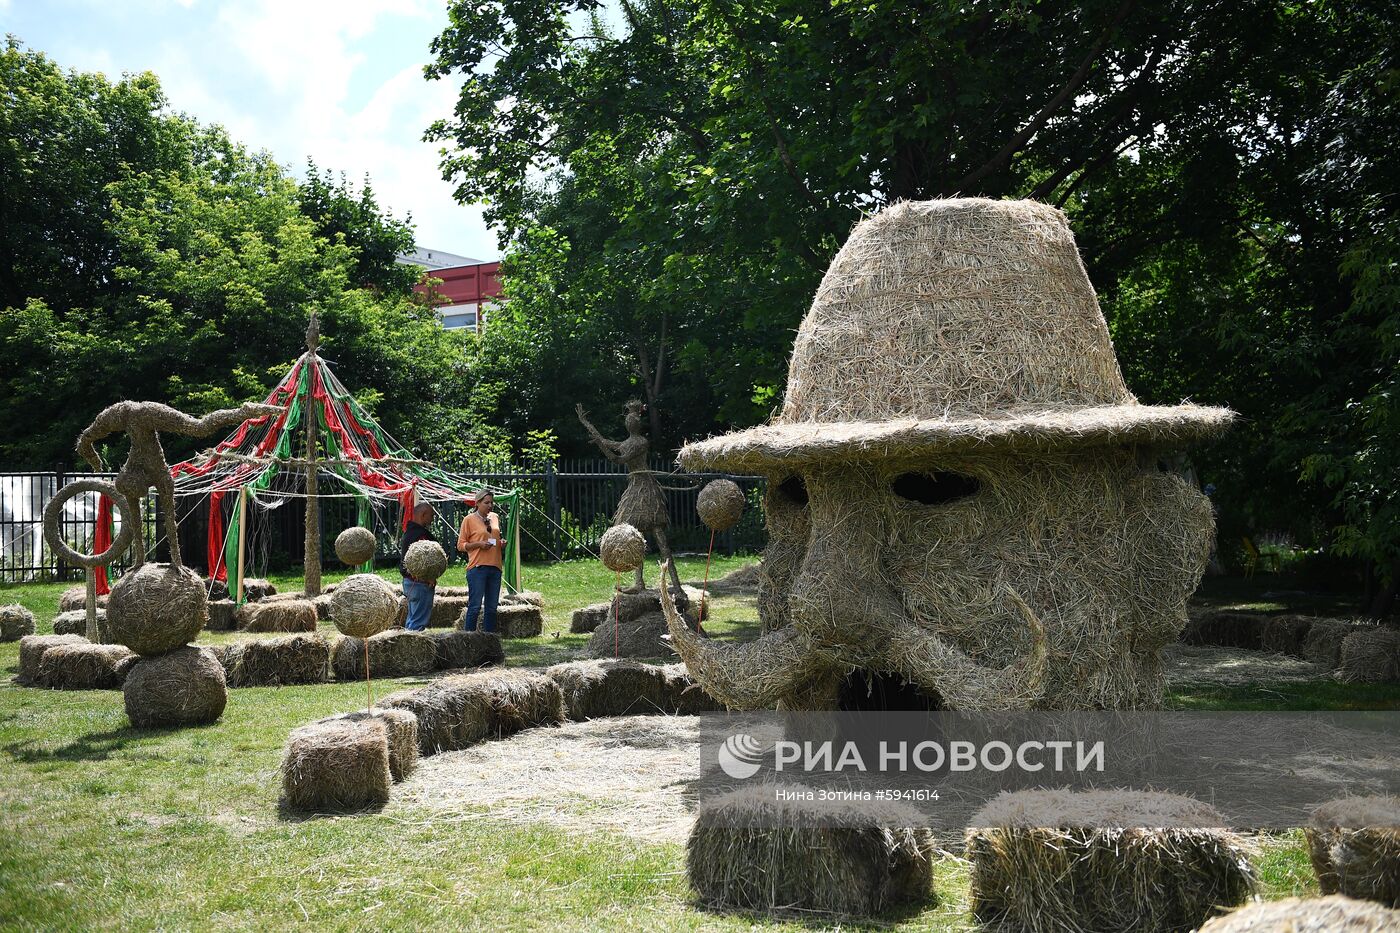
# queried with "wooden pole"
point(242, 540)
point(90, 579)
point(515, 534)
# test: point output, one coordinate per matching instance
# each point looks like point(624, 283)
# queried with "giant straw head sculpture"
point(964, 500)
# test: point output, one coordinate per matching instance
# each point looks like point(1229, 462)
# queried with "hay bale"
point(363, 605)
point(323, 606)
point(255, 589)
point(1285, 634)
point(277, 615)
point(355, 545)
point(1333, 914)
point(720, 504)
point(1370, 655)
point(1354, 844)
point(337, 765)
point(741, 582)
point(401, 727)
point(528, 597)
point(277, 662)
point(593, 689)
point(464, 709)
point(155, 608)
point(447, 611)
point(75, 597)
point(425, 561)
point(683, 695)
point(15, 622)
point(632, 606)
point(75, 623)
point(1061, 860)
point(222, 615)
point(519, 621)
point(459, 649)
point(1226, 629)
point(640, 638)
point(85, 667)
point(31, 653)
point(622, 548)
point(184, 687)
point(750, 852)
point(395, 653)
point(1323, 644)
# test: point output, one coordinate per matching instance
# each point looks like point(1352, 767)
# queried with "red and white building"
point(468, 289)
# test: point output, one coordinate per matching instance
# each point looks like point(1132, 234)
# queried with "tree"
point(377, 238)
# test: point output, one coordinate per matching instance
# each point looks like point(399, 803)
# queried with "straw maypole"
point(311, 562)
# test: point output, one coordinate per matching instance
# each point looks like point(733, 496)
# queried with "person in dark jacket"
point(420, 594)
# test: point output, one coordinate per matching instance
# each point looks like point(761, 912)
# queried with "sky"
point(340, 81)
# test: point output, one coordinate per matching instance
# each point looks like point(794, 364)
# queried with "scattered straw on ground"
point(1199, 664)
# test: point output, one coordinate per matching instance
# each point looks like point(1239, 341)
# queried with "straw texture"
point(720, 504)
point(338, 765)
point(354, 545)
point(277, 662)
point(16, 622)
point(622, 548)
point(184, 687)
point(363, 605)
point(85, 667)
point(1354, 845)
point(154, 608)
point(426, 561)
point(31, 653)
point(1333, 914)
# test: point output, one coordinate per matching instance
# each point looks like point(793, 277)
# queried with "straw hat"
point(953, 325)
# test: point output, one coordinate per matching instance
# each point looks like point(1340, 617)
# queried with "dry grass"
point(622, 548)
point(458, 650)
point(1333, 914)
point(610, 688)
point(426, 560)
point(1370, 656)
point(355, 545)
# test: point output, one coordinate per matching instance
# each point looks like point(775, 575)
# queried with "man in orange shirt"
point(480, 539)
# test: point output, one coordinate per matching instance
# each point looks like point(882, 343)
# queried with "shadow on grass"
point(99, 746)
point(286, 813)
point(896, 914)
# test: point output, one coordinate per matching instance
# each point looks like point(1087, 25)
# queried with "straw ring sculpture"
point(355, 545)
point(364, 605)
point(53, 523)
point(962, 496)
point(156, 607)
point(426, 560)
point(622, 548)
point(720, 504)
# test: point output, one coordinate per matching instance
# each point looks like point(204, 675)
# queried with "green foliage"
point(145, 256)
point(671, 191)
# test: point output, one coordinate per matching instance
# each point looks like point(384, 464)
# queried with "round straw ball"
point(720, 504)
point(426, 560)
point(363, 605)
point(355, 545)
point(623, 548)
point(156, 607)
point(184, 687)
point(15, 622)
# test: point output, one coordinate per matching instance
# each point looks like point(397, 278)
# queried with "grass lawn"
point(106, 826)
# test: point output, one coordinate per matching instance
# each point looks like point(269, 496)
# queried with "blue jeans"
point(420, 604)
point(483, 592)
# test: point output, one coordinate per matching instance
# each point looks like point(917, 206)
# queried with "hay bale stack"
point(1285, 634)
point(1370, 655)
point(528, 597)
point(184, 687)
point(278, 662)
point(683, 694)
point(750, 852)
point(401, 728)
point(593, 689)
point(1354, 844)
point(1225, 629)
point(425, 561)
point(447, 611)
point(519, 621)
point(337, 766)
point(1323, 644)
point(15, 622)
point(461, 710)
point(1333, 914)
point(255, 589)
point(363, 605)
point(640, 638)
point(85, 667)
point(622, 548)
point(75, 623)
point(1054, 859)
point(277, 615)
point(457, 649)
point(395, 653)
point(31, 653)
point(222, 615)
point(75, 597)
point(720, 504)
point(155, 608)
point(632, 606)
point(355, 545)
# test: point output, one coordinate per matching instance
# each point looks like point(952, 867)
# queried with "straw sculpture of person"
point(145, 465)
point(643, 505)
point(966, 507)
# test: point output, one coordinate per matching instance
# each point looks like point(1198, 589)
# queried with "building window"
point(458, 317)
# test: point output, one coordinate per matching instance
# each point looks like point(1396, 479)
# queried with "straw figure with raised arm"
point(643, 505)
point(145, 465)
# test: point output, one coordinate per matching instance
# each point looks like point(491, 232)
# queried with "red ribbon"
point(102, 540)
point(214, 546)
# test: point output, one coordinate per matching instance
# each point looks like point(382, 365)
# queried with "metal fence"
point(565, 508)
